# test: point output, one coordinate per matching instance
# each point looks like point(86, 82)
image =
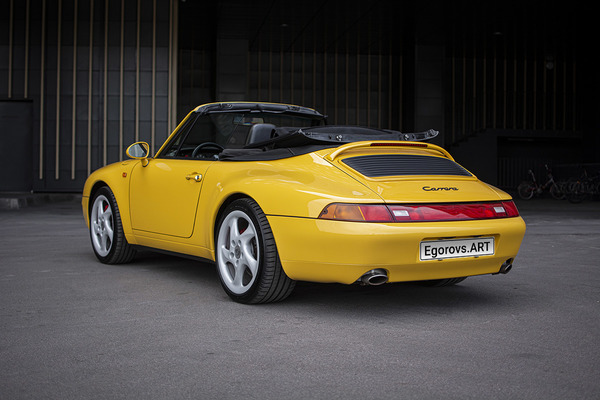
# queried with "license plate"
point(456, 248)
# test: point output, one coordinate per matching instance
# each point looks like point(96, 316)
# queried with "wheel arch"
point(226, 202)
point(89, 192)
point(109, 242)
point(121, 195)
point(94, 189)
point(272, 284)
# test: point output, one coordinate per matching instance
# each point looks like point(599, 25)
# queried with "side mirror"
point(139, 151)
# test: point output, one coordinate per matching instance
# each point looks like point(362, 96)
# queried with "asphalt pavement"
point(162, 327)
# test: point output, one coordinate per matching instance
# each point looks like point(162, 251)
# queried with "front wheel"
point(525, 190)
point(106, 231)
point(247, 260)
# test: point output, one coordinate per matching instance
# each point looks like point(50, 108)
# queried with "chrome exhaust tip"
point(374, 277)
point(506, 266)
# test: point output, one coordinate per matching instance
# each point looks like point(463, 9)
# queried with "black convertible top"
point(254, 131)
point(335, 134)
point(285, 142)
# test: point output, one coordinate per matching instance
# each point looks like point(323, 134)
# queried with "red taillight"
point(511, 208)
point(419, 213)
point(453, 212)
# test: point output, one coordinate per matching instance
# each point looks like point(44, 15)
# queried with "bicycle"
point(527, 189)
point(584, 187)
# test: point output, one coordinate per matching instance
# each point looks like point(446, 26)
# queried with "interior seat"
point(260, 133)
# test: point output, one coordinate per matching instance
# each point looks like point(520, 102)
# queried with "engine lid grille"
point(378, 165)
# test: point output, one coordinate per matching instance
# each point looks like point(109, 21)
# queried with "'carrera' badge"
point(437, 189)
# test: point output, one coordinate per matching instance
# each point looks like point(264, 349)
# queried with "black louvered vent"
point(404, 164)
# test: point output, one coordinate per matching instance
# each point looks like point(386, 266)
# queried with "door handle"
point(194, 176)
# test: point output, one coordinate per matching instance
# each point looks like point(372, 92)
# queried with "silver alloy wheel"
point(238, 247)
point(101, 226)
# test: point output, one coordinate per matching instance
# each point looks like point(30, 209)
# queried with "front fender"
point(116, 176)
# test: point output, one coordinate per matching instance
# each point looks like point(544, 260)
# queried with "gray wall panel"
point(73, 163)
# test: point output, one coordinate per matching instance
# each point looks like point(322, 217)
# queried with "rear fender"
point(299, 187)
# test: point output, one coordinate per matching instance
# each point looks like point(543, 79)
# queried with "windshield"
point(206, 134)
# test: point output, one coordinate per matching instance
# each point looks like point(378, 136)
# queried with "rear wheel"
point(577, 192)
point(442, 282)
point(106, 230)
point(247, 260)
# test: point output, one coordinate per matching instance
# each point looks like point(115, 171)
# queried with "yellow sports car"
point(273, 195)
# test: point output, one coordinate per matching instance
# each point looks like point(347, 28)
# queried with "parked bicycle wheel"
point(556, 191)
point(526, 190)
point(577, 192)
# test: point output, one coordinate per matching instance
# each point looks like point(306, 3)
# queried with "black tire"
point(442, 282)
point(576, 193)
point(246, 255)
point(106, 230)
point(525, 190)
point(556, 191)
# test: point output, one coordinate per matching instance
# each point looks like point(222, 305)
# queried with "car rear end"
point(435, 220)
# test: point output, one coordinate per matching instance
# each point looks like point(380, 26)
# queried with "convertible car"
point(273, 195)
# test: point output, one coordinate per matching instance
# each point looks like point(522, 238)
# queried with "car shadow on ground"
point(173, 265)
point(407, 296)
point(391, 297)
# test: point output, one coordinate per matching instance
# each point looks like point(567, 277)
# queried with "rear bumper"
point(337, 251)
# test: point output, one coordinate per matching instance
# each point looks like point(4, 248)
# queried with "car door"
point(164, 193)
point(164, 196)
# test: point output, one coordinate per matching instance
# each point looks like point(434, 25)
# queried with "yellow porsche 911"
point(273, 195)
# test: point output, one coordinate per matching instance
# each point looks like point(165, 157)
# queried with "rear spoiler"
point(342, 149)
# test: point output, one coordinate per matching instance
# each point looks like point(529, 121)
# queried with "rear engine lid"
point(427, 190)
point(409, 172)
point(382, 165)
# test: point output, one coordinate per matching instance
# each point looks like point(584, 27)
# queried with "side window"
point(200, 131)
